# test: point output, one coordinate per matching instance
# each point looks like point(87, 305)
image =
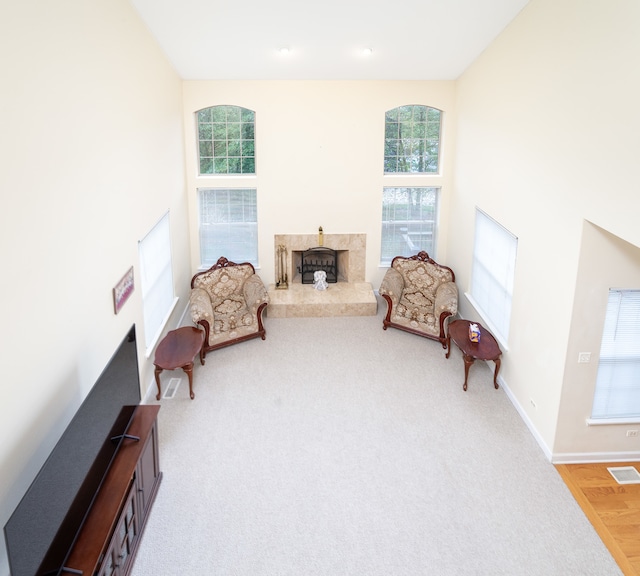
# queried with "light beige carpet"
point(336, 448)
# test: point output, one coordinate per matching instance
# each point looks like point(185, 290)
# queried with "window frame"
point(420, 227)
point(229, 127)
point(227, 219)
point(414, 118)
point(620, 345)
point(156, 280)
point(492, 280)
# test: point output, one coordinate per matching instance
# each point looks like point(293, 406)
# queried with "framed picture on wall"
point(122, 290)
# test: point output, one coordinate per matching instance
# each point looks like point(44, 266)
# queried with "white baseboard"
point(594, 457)
point(151, 392)
point(567, 457)
point(525, 417)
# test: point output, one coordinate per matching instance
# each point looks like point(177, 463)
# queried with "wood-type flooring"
point(612, 508)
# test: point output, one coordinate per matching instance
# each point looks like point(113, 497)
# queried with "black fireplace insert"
point(319, 258)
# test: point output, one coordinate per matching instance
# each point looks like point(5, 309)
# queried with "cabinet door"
point(127, 533)
point(147, 473)
point(119, 554)
point(109, 565)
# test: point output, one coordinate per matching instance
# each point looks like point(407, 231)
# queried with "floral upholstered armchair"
point(227, 301)
point(420, 294)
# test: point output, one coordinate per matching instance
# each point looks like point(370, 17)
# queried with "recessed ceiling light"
point(367, 51)
point(284, 50)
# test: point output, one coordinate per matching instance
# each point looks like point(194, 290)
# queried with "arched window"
point(226, 140)
point(412, 140)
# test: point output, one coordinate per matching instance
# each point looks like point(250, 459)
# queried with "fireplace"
point(318, 258)
point(350, 295)
point(349, 252)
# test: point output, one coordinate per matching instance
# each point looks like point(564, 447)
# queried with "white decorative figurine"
point(320, 280)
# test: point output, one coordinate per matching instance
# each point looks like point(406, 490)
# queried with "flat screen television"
point(44, 526)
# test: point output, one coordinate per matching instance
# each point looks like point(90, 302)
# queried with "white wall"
point(606, 261)
point(545, 129)
point(547, 139)
point(92, 156)
point(319, 156)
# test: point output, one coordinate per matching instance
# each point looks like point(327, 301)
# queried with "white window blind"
point(409, 222)
point(228, 225)
point(156, 279)
point(617, 392)
point(492, 273)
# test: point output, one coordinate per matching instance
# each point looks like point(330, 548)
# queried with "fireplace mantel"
point(350, 296)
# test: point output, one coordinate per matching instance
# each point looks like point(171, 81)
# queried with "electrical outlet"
point(584, 357)
point(632, 433)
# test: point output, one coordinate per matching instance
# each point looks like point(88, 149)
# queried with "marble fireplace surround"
point(351, 253)
point(350, 296)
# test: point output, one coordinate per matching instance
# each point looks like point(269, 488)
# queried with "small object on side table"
point(485, 348)
point(179, 349)
point(474, 333)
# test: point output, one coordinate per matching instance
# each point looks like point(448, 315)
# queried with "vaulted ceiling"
point(296, 39)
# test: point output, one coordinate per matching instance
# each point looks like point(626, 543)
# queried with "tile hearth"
point(350, 296)
point(340, 299)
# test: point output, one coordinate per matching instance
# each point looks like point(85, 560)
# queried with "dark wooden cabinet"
point(147, 473)
point(119, 555)
point(109, 539)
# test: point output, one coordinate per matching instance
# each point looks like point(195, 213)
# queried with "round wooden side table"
point(486, 349)
point(178, 349)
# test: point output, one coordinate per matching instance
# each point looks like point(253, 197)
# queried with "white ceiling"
point(410, 39)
